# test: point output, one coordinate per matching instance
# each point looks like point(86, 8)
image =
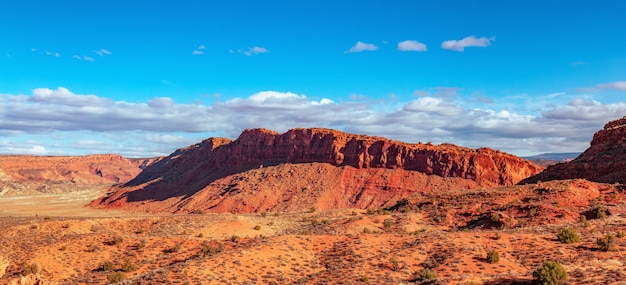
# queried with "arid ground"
point(70, 244)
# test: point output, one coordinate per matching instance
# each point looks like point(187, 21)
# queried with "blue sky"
point(142, 78)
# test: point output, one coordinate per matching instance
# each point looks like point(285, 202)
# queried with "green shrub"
point(107, 266)
point(568, 236)
point(424, 275)
point(210, 249)
point(128, 266)
point(549, 273)
point(606, 243)
point(493, 256)
point(116, 277)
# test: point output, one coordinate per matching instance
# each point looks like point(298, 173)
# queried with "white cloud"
point(361, 46)
point(471, 41)
point(102, 52)
point(58, 121)
point(84, 57)
point(201, 47)
point(410, 45)
point(617, 85)
point(197, 52)
point(253, 50)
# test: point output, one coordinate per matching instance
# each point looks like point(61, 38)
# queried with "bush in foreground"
point(549, 273)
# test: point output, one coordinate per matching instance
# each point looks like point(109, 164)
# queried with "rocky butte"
point(604, 160)
point(263, 170)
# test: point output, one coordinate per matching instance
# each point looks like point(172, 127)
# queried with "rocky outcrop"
point(604, 160)
point(177, 179)
point(28, 174)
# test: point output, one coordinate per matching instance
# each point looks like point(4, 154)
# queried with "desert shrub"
point(30, 269)
point(494, 217)
point(173, 249)
point(200, 235)
point(263, 214)
point(371, 212)
point(493, 256)
point(601, 212)
point(199, 212)
point(583, 220)
point(364, 278)
point(387, 223)
point(366, 230)
point(128, 266)
point(106, 266)
point(140, 245)
point(620, 234)
point(549, 273)
point(424, 275)
point(607, 243)
point(568, 236)
point(211, 249)
point(63, 248)
point(257, 227)
point(116, 277)
point(115, 240)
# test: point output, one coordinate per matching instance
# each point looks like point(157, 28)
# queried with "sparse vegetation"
point(549, 273)
point(257, 227)
point(493, 256)
point(128, 266)
point(424, 275)
point(387, 223)
point(568, 235)
point(32, 268)
point(607, 243)
point(211, 249)
point(106, 266)
point(116, 277)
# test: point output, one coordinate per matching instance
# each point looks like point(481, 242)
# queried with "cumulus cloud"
point(471, 41)
point(197, 52)
point(617, 85)
point(88, 123)
point(410, 45)
point(361, 46)
point(253, 50)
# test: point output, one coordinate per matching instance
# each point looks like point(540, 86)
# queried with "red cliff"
point(604, 160)
point(346, 163)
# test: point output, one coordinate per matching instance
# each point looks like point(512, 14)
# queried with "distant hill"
point(552, 158)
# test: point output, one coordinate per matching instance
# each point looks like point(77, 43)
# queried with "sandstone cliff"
point(316, 167)
point(604, 160)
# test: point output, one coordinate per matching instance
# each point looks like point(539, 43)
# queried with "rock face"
point(604, 160)
point(27, 174)
point(317, 167)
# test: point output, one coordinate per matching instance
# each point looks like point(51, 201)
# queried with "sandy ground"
point(56, 205)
